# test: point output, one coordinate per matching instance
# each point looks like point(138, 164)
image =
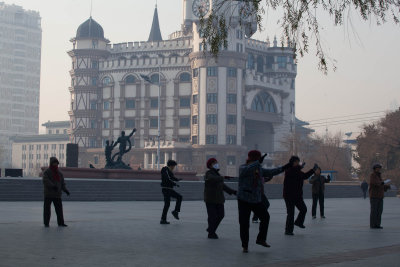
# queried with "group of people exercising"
point(250, 194)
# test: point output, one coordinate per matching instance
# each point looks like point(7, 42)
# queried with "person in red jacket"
point(293, 193)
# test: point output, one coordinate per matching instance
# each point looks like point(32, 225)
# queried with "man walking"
point(293, 193)
point(377, 189)
point(168, 182)
point(318, 190)
point(53, 185)
point(364, 188)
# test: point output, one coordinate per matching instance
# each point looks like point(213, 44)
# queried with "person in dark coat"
point(293, 193)
point(214, 198)
point(364, 188)
point(168, 182)
point(53, 185)
point(250, 192)
point(377, 189)
point(318, 190)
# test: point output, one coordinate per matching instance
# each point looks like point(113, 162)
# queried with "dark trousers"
point(290, 205)
point(315, 198)
point(168, 194)
point(365, 194)
point(245, 209)
point(376, 212)
point(216, 213)
point(265, 201)
point(47, 210)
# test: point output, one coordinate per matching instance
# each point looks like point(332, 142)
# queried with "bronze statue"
point(123, 142)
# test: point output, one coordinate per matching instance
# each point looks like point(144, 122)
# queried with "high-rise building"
point(20, 55)
point(209, 107)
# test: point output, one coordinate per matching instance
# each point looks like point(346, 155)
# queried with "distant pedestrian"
point(214, 198)
point(168, 182)
point(318, 192)
point(54, 185)
point(364, 188)
point(293, 193)
point(250, 197)
point(377, 189)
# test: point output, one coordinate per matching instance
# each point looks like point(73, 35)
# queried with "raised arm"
point(133, 131)
point(269, 173)
point(306, 175)
point(313, 179)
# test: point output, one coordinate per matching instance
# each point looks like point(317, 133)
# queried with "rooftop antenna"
point(91, 7)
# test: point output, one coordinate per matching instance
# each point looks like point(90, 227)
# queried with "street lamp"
point(147, 79)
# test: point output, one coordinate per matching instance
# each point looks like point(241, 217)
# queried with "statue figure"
point(123, 142)
point(108, 152)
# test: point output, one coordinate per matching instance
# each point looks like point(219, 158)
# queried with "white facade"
point(210, 107)
point(20, 54)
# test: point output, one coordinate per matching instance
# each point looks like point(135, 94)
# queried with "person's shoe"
point(300, 225)
point(164, 222)
point(213, 236)
point(46, 225)
point(254, 220)
point(323, 217)
point(175, 214)
point(314, 217)
point(263, 243)
point(245, 250)
point(289, 233)
point(62, 225)
point(378, 227)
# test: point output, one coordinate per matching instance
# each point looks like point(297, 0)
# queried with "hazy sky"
point(367, 78)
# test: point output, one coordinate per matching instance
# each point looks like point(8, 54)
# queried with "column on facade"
point(153, 160)
point(173, 155)
point(222, 84)
point(146, 160)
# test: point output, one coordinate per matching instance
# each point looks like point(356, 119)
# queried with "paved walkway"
point(129, 234)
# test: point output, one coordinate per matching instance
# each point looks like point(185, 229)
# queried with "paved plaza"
point(129, 234)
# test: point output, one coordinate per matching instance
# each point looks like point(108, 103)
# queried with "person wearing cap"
point(168, 182)
point(250, 192)
point(318, 190)
point(293, 193)
point(54, 185)
point(377, 189)
point(214, 198)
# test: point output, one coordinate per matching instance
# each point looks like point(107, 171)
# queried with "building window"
point(212, 71)
point(130, 104)
point(211, 139)
point(293, 84)
point(194, 120)
point(46, 156)
point(154, 103)
point(46, 147)
point(61, 146)
point(263, 102)
point(24, 147)
point(130, 79)
point(231, 98)
point(195, 72)
point(212, 119)
point(250, 61)
point(185, 139)
point(231, 119)
point(106, 105)
point(93, 124)
point(93, 105)
point(57, 131)
point(260, 64)
point(270, 62)
point(153, 122)
point(94, 81)
point(185, 77)
point(231, 139)
point(239, 48)
point(184, 102)
point(212, 98)
point(65, 131)
point(38, 147)
point(194, 140)
point(282, 61)
point(95, 65)
point(106, 81)
point(31, 147)
point(232, 72)
point(129, 124)
point(106, 124)
point(195, 99)
point(92, 142)
point(239, 34)
point(53, 146)
point(155, 78)
point(184, 122)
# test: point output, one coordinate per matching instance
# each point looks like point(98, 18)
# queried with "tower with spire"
point(155, 32)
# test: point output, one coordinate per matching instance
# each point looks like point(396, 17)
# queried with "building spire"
point(155, 33)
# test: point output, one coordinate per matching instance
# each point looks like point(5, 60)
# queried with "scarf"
point(56, 175)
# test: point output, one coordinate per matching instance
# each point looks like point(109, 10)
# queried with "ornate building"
point(209, 107)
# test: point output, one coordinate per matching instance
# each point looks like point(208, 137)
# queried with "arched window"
point(106, 80)
point(154, 78)
point(185, 77)
point(250, 61)
point(130, 79)
point(260, 64)
point(263, 102)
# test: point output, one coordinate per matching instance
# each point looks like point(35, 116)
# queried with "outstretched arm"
point(269, 173)
point(115, 144)
point(133, 131)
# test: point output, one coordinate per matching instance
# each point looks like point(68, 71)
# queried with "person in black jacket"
point(214, 198)
point(293, 193)
point(318, 190)
point(168, 181)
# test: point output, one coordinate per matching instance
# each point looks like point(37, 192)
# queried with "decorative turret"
point(155, 33)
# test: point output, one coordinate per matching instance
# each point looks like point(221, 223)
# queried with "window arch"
point(155, 78)
point(130, 79)
point(106, 80)
point(185, 77)
point(260, 64)
point(263, 102)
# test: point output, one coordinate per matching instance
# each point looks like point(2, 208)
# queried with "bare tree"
point(299, 22)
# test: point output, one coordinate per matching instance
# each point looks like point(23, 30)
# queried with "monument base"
point(88, 173)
